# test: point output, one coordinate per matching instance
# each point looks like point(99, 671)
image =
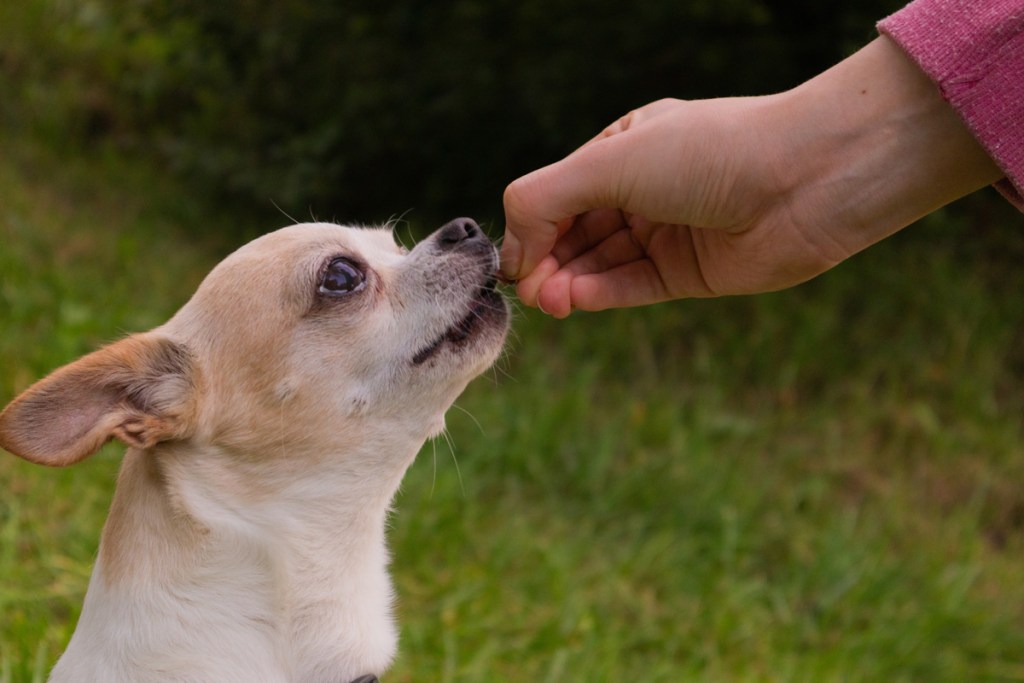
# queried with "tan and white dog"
point(269, 424)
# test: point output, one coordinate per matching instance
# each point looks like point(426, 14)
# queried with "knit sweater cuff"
point(974, 52)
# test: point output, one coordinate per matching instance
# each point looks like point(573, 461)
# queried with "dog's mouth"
point(486, 306)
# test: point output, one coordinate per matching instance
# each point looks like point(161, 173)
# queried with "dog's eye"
point(342, 277)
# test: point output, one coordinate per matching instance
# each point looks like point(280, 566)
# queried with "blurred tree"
point(363, 110)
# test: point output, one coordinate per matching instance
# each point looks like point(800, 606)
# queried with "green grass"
point(823, 484)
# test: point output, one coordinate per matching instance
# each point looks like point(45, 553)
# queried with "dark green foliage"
point(364, 110)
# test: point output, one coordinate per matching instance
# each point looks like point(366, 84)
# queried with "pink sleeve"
point(974, 51)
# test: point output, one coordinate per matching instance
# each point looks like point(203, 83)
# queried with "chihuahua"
point(268, 424)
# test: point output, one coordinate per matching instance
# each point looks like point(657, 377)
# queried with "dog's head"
point(297, 341)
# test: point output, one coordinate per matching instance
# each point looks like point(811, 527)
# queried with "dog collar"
point(368, 678)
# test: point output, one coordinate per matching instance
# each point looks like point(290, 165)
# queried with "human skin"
point(740, 195)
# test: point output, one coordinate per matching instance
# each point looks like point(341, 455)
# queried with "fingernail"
point(511, 256)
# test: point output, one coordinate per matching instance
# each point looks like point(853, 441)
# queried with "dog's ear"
point(141, 390)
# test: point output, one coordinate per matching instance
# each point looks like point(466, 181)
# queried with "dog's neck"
point(291, 571)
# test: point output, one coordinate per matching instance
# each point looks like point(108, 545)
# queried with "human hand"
point(689, 182)
point(741, 195)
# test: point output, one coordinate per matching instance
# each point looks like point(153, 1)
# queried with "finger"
point(554, 297)
point(528, 288)
point(636, 117)
point(510, 256)
point(616, 250)
point(532, 222)
point(556, 292)
point(538, 205)
point(621, 124)
point(632, 284)
point(588, 231)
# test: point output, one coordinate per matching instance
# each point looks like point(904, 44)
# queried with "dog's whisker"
point(470, 415)
point(392, 224)
point(433, 477)
point(455, 460)
point(283, 212)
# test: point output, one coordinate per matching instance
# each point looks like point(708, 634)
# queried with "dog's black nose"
point(458, 230)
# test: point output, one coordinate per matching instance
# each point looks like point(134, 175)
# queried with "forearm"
point(974, 53)
point(885, 149)
point(741, 195)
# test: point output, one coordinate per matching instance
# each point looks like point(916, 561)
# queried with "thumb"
point(541, 206)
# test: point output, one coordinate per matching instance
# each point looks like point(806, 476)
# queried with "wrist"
point(886, 149)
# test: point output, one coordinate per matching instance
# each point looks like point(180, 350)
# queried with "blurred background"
point(822, 484)
point(365, 109)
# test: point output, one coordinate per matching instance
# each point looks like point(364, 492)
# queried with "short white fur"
point(269, 425)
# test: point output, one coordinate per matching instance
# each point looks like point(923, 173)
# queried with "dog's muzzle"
point(487, 306)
